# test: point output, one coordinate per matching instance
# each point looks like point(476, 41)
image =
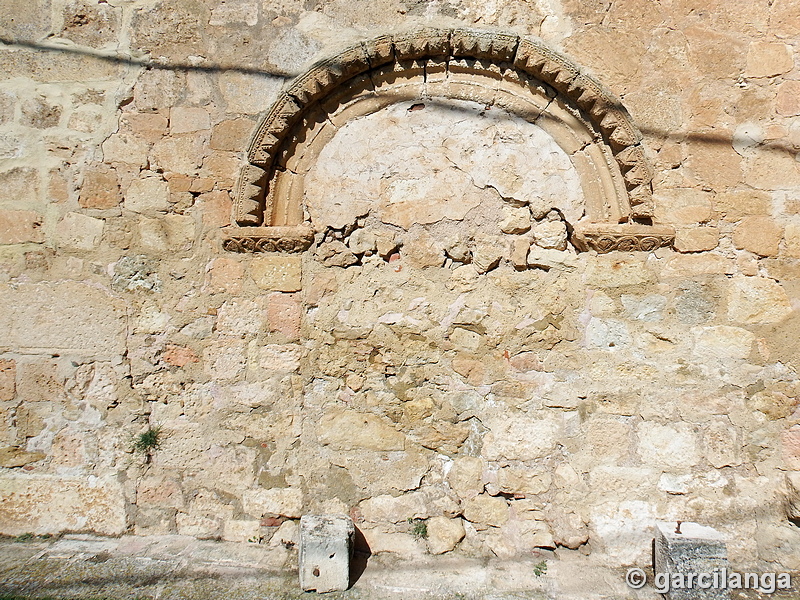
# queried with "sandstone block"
point(753, 300)
point(284, 502)
point(150, 127)
point(395, 509)
point(697, 239)
point(127, 149)
point(284, 314)
point(178, 154)
point(444, 533)
point(187, 120)
point(687, 266)
point(224, 275)
point(20, 227)
point(8, 376)
point(278, 358)
point(79, 232)
point(326, 547)
point(52, 504)
point(65, 317)
point(760, 235)
point(160, 491)
point(248, 94)
point(277, 272)
point(768, 59)
point(519, 439)
point(197, 526)
point(791, 447)
point(240, 530)
point(351, 430)
point(788, 101)
point(148, 195)
point(551, 234)
point(791, 240)
point(217, 208)
point(518, 220)
point(682, 206)
point(16, 457)
point(521, 480)
point(100, 188)
point(723, 342)
point(232, 135)
point(486, 511)
point(720, 444)
point(668, 445)
point(543, 258)
point(613, 271)
point(466, 476)
point(240, 317)
point(224, 359)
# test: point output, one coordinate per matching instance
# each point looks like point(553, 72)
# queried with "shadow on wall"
point(703, 138)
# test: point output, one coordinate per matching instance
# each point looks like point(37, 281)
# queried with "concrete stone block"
point(326, 546)
point(696, 549)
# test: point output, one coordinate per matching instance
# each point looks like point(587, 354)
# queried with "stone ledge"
point(625, 237)
point(268, 239)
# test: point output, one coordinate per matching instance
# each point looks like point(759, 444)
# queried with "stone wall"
point(444, 351)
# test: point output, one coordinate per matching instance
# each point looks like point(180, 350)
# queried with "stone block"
point(49, 504)
point(178, 154)
point(248, 94)
point(100, 188)
point(79, 232)
point(697, 239)
point(216, 207)
point(696, 549)
point(352, 430)
point(224, 275)
point(148, 126)
point(284, 502)
point(188, 120)
point(284, 314)
point(788, 100)
point(62, 317)
point(8, 375)
point(444, 533)
point(20, 227)
point(753, 300)
point(326, 547)
point(767, 59)
point(758, 234)
point(277, 273)
point(147, 195)
point(125, 148)
point(232, 135)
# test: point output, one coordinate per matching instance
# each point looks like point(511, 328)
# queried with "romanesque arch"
point(518, 75)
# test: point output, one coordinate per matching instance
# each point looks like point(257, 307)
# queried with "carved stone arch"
point(521, 76)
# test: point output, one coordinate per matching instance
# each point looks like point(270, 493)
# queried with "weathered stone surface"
point(444, 534)
point(486, 511)
point(20, 226)
point(15, 457)
point(147, 196)
point(63, 317)
point(79, 232)
point(760, 235)
point(393, 509)
point(326, 546)
point(100, 188)
point(754, 300)
point(767, 59)
point(672, 446)
point(696, 239)
point(50, 504)
point(284, 502)
point(519, 439)
point(351, 430)
point(277, 273)
point(188, 120)
point(8, 376)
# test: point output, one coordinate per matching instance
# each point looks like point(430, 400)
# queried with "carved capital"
point(624, 237)
point(267, 239)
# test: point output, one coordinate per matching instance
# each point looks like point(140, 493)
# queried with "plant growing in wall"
point(147, 442)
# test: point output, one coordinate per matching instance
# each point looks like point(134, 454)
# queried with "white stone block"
point(326, 547)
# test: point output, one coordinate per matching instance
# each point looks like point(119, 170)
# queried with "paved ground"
point(177, 567)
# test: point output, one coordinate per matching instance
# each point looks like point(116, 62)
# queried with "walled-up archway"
point(517, 75)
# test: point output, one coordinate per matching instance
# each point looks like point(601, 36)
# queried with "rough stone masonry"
point(443, 346)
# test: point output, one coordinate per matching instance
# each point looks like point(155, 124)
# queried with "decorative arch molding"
point(520, 76)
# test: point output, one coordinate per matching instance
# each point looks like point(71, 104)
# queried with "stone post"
point(326, 547)
point(693, 560)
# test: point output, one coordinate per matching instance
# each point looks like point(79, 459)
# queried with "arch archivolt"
point(519, 76)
